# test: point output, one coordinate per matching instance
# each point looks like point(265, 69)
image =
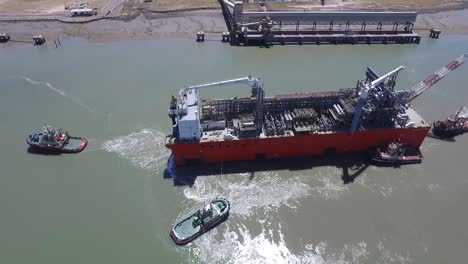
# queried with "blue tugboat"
point(204, 219)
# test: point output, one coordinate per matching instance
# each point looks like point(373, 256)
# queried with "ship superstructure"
point(353, 119)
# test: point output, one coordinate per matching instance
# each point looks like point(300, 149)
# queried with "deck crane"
point(378, 91)
point(366, 88)
point(422, 86)
point(253, 82)
point(185, 115)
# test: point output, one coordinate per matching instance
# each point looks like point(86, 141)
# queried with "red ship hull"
point(294, 146)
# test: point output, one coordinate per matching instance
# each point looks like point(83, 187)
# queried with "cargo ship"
point(361, 118)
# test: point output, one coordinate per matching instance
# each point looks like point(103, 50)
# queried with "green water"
point(111, 204)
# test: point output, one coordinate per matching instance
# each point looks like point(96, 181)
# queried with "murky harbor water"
point(111, 203)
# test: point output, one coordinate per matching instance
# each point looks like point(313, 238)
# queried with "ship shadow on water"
point(352, 165)
point(32, 150)
point(448, 139)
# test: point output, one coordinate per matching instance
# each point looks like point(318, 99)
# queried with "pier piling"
point(4, 37)
point(38, 40)
point(300, 39)
point(435, 33)
point(200, 36)
point(287, 27)
point(226, 37)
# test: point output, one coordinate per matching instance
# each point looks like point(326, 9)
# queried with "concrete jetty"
point(286, 27)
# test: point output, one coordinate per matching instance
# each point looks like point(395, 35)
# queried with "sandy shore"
point(185, 24)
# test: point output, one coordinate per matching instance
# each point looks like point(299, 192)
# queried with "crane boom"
point(384, 77)
point(252, 82)
point(246, 80)
point(419, 88)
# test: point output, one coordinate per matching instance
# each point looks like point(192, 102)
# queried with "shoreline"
point(175, 23)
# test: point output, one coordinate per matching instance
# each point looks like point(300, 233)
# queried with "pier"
point(286, 27)
point(36, 39)
point(335, 38)
point(200, 36)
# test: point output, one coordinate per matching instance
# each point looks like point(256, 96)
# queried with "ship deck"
point(416, 118)
point(219, 135)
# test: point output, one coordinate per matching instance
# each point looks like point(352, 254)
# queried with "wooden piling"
point(200, 36)
point(4, 37)
point(434, 34)
point(38, 40)
point(337, 39)
point(226, 37)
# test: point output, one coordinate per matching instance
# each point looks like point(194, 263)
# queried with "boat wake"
point(258, 198)
point(328, 186)
point(58, 91)
point(255, 231)
point(267, 190)
point(239, 245)
point(258, 204)
point(47, 84)
point(144, 149)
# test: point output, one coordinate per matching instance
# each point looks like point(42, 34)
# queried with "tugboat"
point(452, 126)
point(395, 153)
point(193, 225)
point(53, 140)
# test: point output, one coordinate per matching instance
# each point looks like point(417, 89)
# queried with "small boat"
point(452, 126)
point(53, 140)
point(395, 153)
point(195, 224)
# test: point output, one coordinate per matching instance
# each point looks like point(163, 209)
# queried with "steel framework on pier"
point(330, 18)
point(251, 25)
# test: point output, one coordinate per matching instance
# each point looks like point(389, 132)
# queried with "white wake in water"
point(58, 91)
point(254, 232)
point(47, 84)
point(238, 245)
point(331, 186)
point(266, 190)
point(256, 206)
point(144, 149)
point(257, 199)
